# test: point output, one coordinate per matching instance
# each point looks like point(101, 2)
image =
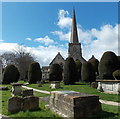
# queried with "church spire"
point(74, 35)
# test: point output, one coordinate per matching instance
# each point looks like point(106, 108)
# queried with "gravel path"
point(5, 117)
point(41, 91)
point(102, 101)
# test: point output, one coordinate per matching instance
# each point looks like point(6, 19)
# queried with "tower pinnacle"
point(74, 35)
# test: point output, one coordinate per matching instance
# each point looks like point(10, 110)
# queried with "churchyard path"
point(102, 101)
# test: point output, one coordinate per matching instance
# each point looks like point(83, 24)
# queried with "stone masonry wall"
point(74, 104)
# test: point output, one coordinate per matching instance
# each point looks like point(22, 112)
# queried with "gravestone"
point(55, 84)
point(94, 85)
point(16, 89)
point(15, 104)
point(30, 103)
point(26, 93)
point(0, 70)
point(74, 104)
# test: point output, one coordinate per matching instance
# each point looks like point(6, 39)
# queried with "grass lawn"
point(109, 112)
point(80, 87)
point(42, 112)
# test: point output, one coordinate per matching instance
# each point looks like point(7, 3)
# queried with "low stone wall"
point(74, 104)
point(109, 86)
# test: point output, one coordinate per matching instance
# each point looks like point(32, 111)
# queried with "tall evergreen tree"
point(34, 73)
point(70, 72)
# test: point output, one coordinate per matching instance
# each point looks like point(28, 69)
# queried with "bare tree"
point(8, 58)
point(20, 57)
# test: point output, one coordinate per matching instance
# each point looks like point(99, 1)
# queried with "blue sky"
point(40, 26)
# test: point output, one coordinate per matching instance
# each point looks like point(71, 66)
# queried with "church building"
point(74, 49)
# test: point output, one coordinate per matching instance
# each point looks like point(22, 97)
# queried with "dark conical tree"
point(94, 63)
point(118, 61)
point(108, 64)
point(87, 72)
point(70, 71)
point(78, 68)
point(34, 73)
point(55, 73)
point(10, 74)
point(116, 74)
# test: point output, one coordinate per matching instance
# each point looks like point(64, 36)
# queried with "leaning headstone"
point(16, 89)
point(15, 104)
point(74, 104)
point(0, 70)
point(30, 103)
point(26, 93)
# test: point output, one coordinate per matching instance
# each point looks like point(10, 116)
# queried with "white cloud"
point(61, 35)
point(29, 39)
point(7, 47)
point(46, 54)
point(94, 41)
point(46, 40)
point(1, 41)
point(43, 55)
point(64, 21)
point(106, 39)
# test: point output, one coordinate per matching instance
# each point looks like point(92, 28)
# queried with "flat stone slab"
point(28, 92)
point(17, 84)
point(74, 104)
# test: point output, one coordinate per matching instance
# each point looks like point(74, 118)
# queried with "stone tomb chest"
point(109, 86)
point(74, 104)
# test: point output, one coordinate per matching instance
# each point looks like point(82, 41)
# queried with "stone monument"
point(109, 86)
point(74, 104)
point(16, 89)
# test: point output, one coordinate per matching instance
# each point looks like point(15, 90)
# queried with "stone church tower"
point(74, 49)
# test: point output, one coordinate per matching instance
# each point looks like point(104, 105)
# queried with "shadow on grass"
point(102, 115)
point(106, 115)
point(22, 111)
point(81, 84)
